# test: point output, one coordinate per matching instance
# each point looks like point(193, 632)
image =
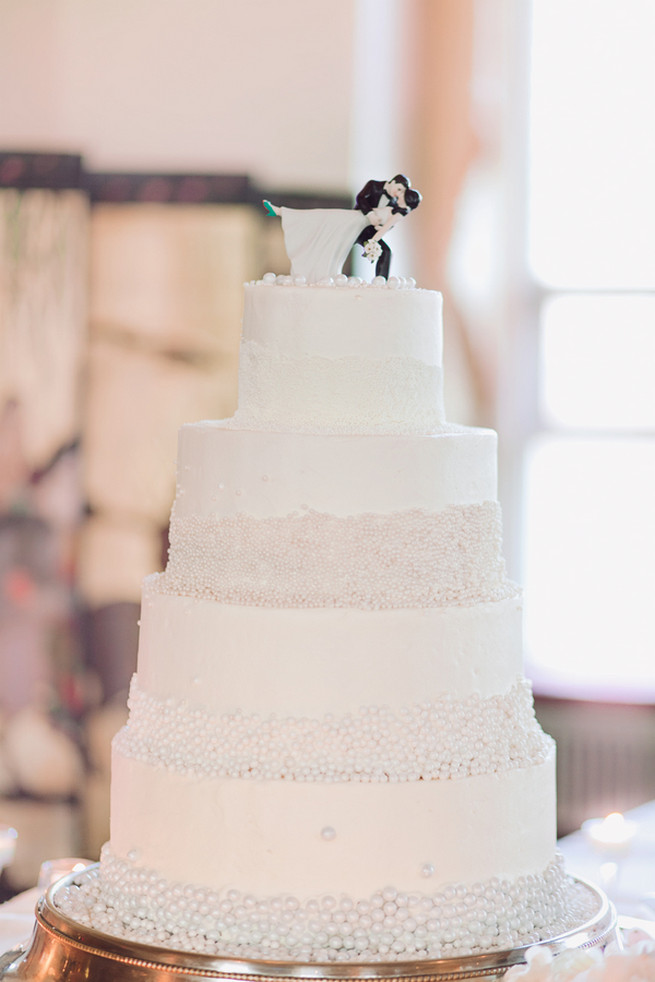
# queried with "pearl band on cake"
point(402, 559)
point(440, 739)
point(391, 395)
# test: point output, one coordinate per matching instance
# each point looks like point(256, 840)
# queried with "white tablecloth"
point(632, 890)
point(631, 886)
point(17, 919)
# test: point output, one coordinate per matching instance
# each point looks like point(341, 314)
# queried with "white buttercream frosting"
point(224, 471)
point(313, 661)
point(331, 751)
point(334, 323)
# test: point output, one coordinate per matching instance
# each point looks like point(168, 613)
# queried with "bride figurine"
point(318, 240)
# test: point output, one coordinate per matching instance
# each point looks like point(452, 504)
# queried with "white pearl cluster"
point(401, 559)
point(442, 739)
point(340, 280)
point(350, 394)
point(136, 904)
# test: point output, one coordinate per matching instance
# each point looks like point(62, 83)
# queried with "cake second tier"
point(324, 520)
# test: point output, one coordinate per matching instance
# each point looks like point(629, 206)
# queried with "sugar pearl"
point(449, 557)
point(435, 740)
point(394, 282)
point(245, 926)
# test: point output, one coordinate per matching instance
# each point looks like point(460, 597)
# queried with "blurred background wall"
point(274, 90)
point(137, 138)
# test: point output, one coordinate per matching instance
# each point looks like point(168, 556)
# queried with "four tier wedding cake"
point(331, 751)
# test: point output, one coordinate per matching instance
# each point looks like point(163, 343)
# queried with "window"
point(589, 474)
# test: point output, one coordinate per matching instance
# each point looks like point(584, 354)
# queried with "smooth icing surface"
point(223, 471)
point(343, 322)
point(311, 662)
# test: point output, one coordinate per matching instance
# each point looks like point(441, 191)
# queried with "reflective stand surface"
point(61, 948)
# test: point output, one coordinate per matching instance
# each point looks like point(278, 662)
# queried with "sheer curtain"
point(444, 142)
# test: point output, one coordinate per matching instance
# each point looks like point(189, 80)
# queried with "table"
point(17, 919)
point(632, 888)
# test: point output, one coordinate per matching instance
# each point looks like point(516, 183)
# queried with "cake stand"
point(61, 948)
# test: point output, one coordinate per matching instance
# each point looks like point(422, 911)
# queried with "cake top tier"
point(345, 317)
point(342, 356)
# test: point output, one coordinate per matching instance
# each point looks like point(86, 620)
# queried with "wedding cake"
point(331, 750)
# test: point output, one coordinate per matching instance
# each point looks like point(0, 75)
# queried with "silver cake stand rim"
point(596, 931)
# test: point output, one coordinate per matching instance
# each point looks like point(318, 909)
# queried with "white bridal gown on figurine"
point(318, 240)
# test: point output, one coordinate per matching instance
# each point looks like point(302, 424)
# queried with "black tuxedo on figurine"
point(372, 195)
point(375, 194)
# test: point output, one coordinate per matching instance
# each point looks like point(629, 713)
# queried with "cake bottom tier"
point(318, 871)
point(319, 837)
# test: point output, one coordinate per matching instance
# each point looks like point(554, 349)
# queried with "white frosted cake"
point(331, 751)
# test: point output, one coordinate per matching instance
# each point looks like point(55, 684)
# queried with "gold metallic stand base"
point(62, 949)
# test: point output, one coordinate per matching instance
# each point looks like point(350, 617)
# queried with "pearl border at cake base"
point(61, 948)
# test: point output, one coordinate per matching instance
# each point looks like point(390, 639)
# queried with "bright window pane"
point(592, 143)
point(590, 567)
point(598, 362)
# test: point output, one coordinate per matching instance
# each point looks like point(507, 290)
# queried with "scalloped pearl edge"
point(137, 904)
point(341, 280)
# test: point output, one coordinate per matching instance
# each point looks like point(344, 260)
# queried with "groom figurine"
point(373, 195)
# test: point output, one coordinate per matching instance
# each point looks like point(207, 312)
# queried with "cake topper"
point(318, 240)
